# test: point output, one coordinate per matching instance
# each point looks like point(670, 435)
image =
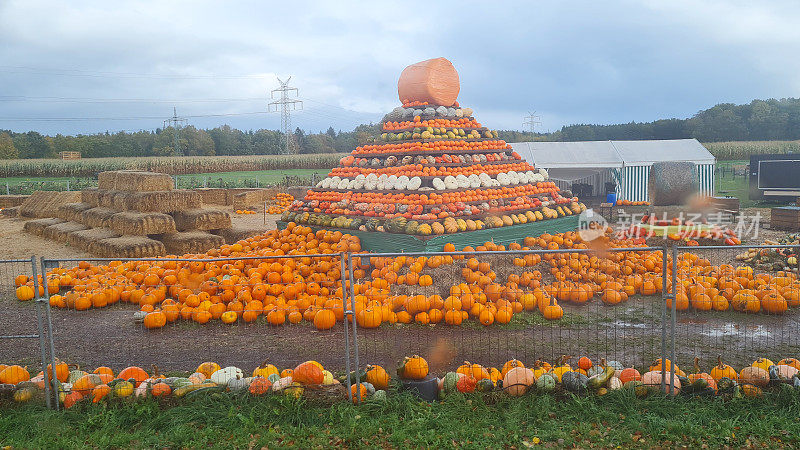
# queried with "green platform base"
point(378, 242)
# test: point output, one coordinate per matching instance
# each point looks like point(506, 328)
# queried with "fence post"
point(665, 294)
point(39, 320)
point(355, 326)
point(346, 327)
point(50, 338)
point(673, 319)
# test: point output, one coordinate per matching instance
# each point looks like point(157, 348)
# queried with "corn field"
point(170, 165)
point(739, 150)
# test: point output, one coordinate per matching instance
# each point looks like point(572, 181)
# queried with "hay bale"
point(201, 219)
point(70, 211)
point(190, 242)
point(46, 203)
point(244, 200)
point(157, 201)
point(96, 217)
point(216, 196)
point(9, 201)
point(235, 234)
point(82, 239)
point(92, 196)
point(672, 182)
point(140, 224)
point(127, 247)
point(134, 181)
point(37, 226)
point(12, 211)
point(60, 231)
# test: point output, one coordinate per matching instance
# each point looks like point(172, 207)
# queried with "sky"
point(96, 66)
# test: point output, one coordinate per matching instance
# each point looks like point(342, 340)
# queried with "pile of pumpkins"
point(585, 377)
point(372, 383)
point(78, 386)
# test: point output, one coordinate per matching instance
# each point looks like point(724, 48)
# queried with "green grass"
point(223, 421)
point(738, 186)
point(264, 177)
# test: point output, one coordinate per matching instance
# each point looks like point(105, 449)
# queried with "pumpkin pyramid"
point(434, 170)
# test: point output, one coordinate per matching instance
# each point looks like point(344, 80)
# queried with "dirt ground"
point(630, 333)
point(15, 243)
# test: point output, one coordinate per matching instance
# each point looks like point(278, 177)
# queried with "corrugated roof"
point(611, 154)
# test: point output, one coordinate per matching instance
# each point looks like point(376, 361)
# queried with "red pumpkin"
point(308, 373)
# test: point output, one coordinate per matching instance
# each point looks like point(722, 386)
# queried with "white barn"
point(626, 164)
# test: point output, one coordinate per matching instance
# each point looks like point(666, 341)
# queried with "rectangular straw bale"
point(12, 211)
point(37, 226)
point(141, 224)
point(134, 181)
point(216, 196)
point(158, 201)
point(127, 247)
point(96, 217)
point(83, 238)
point(70, 211)
point(235, 234)
point(248, 199)
point(190, 242)
point(46, 203)
point(92, 196)
point(9, 201)
point(201, 219)
point(59, 231)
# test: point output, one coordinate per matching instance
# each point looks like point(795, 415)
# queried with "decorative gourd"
point(750, 390)
point(224, 375)
point(259, 386)
point(449, 381)
point(754, 375)
point(238, 384)
point(518, 380)
point(123, 388)
point(466, 384)
point(652, 380)
point(546, 382)
point(614, 383)
point(575, 382)
point(308, 373)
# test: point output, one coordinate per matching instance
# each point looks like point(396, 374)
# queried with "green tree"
point(7, 149)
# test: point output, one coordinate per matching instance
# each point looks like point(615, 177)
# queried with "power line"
point(286, 105)
point(77, 119)
point(53, 99)
point(105, 74)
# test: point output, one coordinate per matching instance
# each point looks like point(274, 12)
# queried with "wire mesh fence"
point(24, 325)
point(734, 310)
point(182, 312)
point(535, 306)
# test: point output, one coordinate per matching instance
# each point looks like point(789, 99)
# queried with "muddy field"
point(630, 333)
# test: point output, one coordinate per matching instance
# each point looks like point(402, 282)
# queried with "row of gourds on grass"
point(513, 378)
point(310, 289)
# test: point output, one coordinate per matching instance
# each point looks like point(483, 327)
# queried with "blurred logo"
point(591, 225)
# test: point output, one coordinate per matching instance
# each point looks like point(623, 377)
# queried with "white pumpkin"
point(450, 182)
point(282, 384)
point(402, 183)
point(503, 179)
point(381, 185)
point(474, 181)
point(370, 185)
point(467, 111)
point(321, 183)
point(459, 112)
point(382, 177)
point(438, 184)
point(224, 375)
point(462, 181)
point(543, 173)
point(359, 183)
point(614, 383)
point(361, 177)
point(372, 177)
point(414, 183)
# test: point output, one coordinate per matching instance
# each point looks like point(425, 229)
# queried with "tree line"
point(759, 120)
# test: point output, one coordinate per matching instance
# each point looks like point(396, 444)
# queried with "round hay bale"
point(672, 182)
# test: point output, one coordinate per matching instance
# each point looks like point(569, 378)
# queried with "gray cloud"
point(582, 61)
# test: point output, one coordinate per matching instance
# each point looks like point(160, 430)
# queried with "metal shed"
point(626, 164)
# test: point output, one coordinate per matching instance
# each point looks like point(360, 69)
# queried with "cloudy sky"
point(82, 66)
